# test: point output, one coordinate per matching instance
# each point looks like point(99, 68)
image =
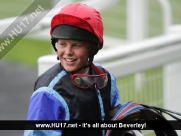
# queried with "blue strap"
point(56, 79)
point(101, 108)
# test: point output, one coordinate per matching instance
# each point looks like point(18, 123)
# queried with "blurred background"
point(142, 48)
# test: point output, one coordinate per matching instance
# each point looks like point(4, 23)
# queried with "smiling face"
point(73, 54)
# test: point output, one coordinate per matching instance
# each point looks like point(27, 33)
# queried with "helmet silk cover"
point(81, 16)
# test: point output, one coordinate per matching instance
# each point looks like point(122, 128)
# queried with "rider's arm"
point(46, 104)
point(115, 100)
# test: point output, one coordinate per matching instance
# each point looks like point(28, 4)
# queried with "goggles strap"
point(85, 66)
point(97, 69)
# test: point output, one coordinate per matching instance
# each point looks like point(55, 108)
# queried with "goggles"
point(85, 81)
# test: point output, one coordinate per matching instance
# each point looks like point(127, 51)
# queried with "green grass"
point(28, 51)
point(149, 92)
point(16, 8)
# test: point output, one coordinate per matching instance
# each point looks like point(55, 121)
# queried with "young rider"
point(75, 88)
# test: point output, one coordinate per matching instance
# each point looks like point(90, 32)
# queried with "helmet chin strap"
point(85, 66)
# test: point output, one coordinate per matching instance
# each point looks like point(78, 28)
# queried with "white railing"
point(167, 16)
point(158, 50)
point(46, 15)
point(100, 5)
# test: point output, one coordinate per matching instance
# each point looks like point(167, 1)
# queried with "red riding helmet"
point(77, 22)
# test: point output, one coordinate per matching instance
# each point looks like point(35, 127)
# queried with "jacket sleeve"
point(115, 99)
point(46, 104)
